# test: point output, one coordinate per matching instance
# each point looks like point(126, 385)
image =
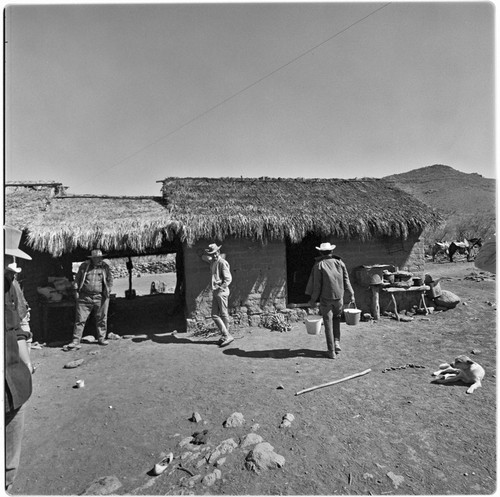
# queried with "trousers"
point(331, 310)
point(14, 426)
point(85, 304)
point(220, 313)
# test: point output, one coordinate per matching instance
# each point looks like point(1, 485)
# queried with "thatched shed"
point(268, 228)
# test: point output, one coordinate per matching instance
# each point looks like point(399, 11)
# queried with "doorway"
point(300, 259)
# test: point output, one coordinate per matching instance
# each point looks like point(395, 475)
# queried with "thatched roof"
point(275, 208)
point(64, 223)
point(216, 208)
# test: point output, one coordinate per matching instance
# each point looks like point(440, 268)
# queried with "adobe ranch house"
point(268, 229)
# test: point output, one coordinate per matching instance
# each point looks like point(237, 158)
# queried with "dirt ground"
point(382, 433)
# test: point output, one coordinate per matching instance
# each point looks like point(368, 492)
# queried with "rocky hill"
point(468, 201)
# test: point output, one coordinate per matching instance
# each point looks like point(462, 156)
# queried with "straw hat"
point(326, 247)
point(212, 248)
point(12, 239)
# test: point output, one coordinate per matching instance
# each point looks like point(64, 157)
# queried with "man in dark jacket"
point(18, 368)
point(328, 282)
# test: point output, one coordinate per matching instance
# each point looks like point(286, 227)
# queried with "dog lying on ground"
point(463, 369)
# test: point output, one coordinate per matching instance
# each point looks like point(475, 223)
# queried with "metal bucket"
point(352, 316)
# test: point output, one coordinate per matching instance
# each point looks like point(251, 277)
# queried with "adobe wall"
point(258, 286)
point(259, 277)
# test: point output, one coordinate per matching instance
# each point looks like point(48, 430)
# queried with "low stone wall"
point(142, 265)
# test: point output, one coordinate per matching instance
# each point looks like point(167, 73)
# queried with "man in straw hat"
point(18, 368)
point(92, 286)
point(328, 282)
point(221, 279)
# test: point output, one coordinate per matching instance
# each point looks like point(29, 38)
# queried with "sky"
point(110, 99)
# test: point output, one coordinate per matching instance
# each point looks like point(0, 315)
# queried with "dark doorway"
point(299, 262)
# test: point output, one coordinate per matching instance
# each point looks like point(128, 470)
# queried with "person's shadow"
point(275, 353)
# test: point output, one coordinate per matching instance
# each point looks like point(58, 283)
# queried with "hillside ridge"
point(467, 200)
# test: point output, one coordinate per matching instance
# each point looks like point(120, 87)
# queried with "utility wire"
point(239, 92)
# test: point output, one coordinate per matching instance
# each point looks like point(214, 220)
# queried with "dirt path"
point(383, 433)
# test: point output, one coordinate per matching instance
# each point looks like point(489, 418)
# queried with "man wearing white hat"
point(221, 279)
point(18, 368)
point(329, 281)
point(92, 286)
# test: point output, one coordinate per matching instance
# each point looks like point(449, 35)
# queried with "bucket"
point(352, 316)
point(313, 325)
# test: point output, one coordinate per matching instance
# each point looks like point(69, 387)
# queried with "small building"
point(268, 228)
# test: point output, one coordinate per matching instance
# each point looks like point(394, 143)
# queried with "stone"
point(236, 419)
point(220, 461)
point(214, 456)
point(103, 486)
point(447, 299)
point(254, 321)
point(185, 441)
point(227, 446)
point(195, 418)
point(191, 482)
point(211, 478)
point(255, 427)
point(73, 364)
point(396, 479)
point(251, 439)
point(263, 457)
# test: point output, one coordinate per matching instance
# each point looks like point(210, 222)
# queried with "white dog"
point(463, 369)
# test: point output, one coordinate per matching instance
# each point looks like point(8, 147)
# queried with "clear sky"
point(109, 99)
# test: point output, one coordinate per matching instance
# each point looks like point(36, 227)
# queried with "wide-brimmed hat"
point(12, 239)
point(13, 267)
point(212, 248)
point(96, 253)
point(326, 247)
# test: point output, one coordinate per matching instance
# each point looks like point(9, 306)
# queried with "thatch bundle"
point(217, 208)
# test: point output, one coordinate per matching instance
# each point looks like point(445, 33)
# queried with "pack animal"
point(439, 248)
point(462, 369)
point(464, 247)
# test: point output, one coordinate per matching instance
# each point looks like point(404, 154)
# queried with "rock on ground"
point(236, 419)
point(263, 457)
point(211, 478)
point(251, 439)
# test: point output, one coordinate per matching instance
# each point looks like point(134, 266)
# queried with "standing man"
point(92, 286)
point(328, 282)
point(18, 368)
point(221, 279)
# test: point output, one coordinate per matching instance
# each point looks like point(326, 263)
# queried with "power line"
point(239, 92)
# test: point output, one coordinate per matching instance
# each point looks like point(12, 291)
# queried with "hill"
point(468, 201)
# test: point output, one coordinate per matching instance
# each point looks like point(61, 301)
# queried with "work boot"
point(330, 354)
point(337, 347)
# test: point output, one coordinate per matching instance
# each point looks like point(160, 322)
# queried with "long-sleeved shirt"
point(18, 385)
point(221, 274)
point(92, 279)
point(329, 280)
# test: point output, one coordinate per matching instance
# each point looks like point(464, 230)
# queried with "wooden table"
point(393, 291)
